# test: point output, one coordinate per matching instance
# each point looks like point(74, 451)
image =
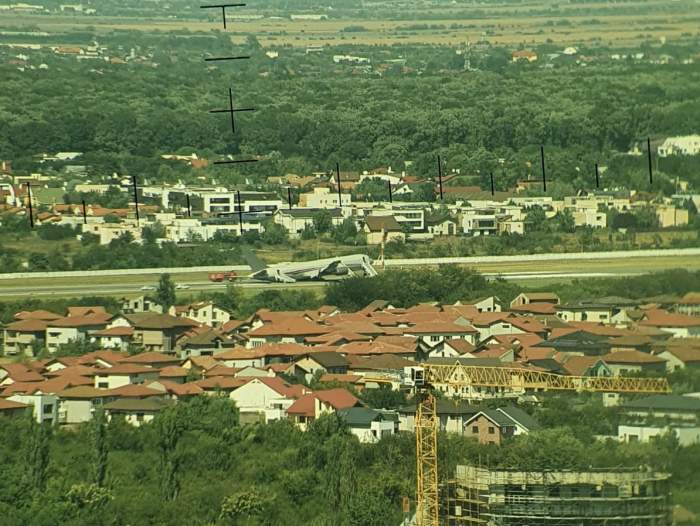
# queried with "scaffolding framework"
point(556, 498)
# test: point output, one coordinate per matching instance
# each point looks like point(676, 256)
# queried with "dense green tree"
point(165, 292)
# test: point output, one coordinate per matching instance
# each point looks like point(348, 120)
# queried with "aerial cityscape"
point(350, 263)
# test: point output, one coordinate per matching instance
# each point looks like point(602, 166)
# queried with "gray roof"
point(329, 359)
point(359, 416)
point(447, 407)
point(151, 404)
point(480, 362)
point(521, 417)
point(669, 401)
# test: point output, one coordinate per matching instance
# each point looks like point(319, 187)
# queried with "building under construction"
point(555, 498)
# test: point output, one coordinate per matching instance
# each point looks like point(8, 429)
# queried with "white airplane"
point(316, 270)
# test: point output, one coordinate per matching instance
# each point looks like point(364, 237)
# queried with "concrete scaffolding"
point(556, 498)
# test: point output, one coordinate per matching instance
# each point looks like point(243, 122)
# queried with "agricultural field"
point(589, 24)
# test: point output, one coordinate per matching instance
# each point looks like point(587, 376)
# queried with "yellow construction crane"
point(448, 378)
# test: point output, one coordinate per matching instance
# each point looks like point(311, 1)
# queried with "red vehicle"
point(220, 277)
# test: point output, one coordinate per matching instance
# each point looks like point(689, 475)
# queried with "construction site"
point(555, 498)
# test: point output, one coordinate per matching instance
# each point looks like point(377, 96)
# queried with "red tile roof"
point(342, 378)
point(44, 315)
point(152, 358)
point(126, 368)
point(19, 372)
point(661, 318)
point(28, 325)
point(631, 357)
point(221, 382)
point(440, 327)
point(337, 398)
point(289, 327)
point(535, 308)
point(134, 391)
point(10, 405)
point(115, 331)
point(173, 371)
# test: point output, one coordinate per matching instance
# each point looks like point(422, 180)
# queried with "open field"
point(500, 24)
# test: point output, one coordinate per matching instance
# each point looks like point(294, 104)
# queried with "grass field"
point(505, 23)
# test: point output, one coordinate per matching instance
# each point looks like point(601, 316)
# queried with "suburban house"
point(311, 406)
point(444, 226)
point(593, 312)
point(452, 415)
point(325, 362)
point(155, 332)
point(124, 374)
point(492, 426)
point(78, 404)
point(689, 304)
point(140, 304)
point(71, 328)
point(266, 398)
point(113, 338)
point(206, 343)
point(9, 408)
point(647, 418)
point(369, 425)
point(623, 363)
point(45, 405)
point(287, 330)
point(20, 337)
point(430, 334)
point(296, 220)
point(527, 298)
point(679, 325)
point(136, 411)
point(678, 357)
point(379, 229)
point(203, 312)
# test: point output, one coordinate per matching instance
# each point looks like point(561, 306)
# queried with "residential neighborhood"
point(299, 365)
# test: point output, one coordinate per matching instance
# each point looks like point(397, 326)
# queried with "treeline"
point(195, 464)
point(479, 123)
point(450, 283)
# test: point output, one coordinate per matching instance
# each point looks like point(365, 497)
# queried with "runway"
point(550, 267)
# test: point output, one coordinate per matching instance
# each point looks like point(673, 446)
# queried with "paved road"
point(130, 287)
point(136, 288)
point(563, 266)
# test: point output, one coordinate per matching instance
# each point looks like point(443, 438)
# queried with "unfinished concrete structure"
point(556, 498)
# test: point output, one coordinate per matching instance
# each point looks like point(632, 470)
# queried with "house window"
point(492, 430)
point(435, 338)
point(103, 385)
point(48, 408)
point(475, 430)
point(139, 417)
